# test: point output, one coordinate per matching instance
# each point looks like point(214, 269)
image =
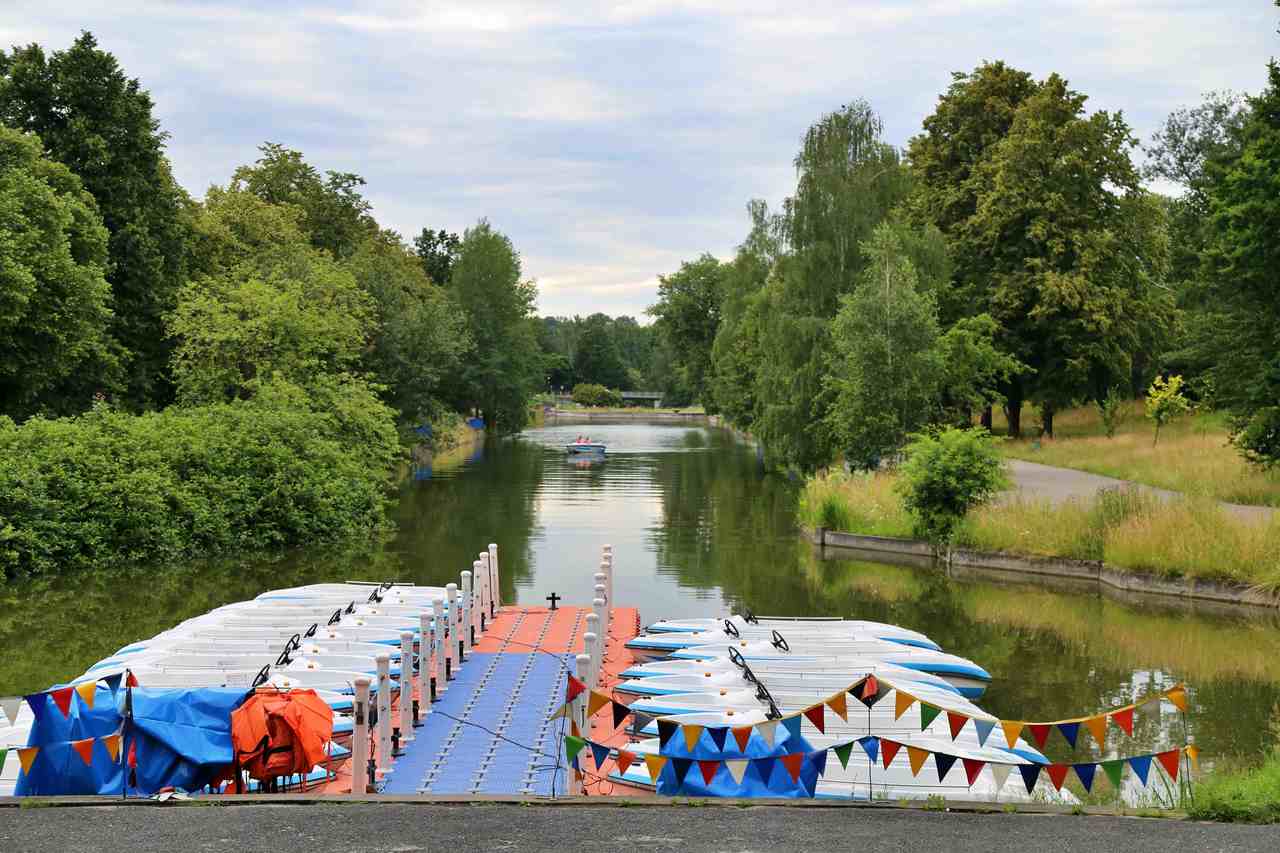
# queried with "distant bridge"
point(642, 397)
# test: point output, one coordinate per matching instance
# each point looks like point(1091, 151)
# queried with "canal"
point(699, 528)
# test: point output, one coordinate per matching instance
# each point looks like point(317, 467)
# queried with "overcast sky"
point(611, 141)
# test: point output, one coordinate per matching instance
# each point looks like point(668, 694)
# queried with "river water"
point(698, 528)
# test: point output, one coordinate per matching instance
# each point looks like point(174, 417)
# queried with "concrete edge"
point(1029, 566)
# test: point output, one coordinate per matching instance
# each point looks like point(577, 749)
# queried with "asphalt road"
point(363, 828)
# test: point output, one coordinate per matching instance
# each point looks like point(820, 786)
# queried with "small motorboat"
point(584, 447)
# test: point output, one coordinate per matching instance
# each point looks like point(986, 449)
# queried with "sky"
point(611, 141)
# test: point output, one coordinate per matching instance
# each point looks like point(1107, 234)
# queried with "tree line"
point(1012, 253)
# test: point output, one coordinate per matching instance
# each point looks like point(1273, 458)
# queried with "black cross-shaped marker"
point(553, 598)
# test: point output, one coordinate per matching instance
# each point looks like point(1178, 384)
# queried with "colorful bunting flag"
point(767, 730)
point(888, 749)
point(870, 694)
point(1057, 774)
point(1000, 773)
point(1012, 731)
point(793, 761)
point(595, 701)
point(1124, 719)
point(625, 760)
point(1085, 773)
point(902, 701)
point(1193, 752)
point(718, 736)
point(843, 751)
point(620, 713)
point(983, 727)
point(4, 750)
point(666, 729)
point(572, 746)
point(871, 746)
point(742, 734)
point(1070, 731)
point(1178, 696)
point(943, 763)
point(763, 767)
point(112, 743)
point(737, 769)
point(1114, 770)
point(113, 682)
point(708, 769)
point(1039, 733)
point(972, 767)
point(817, 715)
point(573, 728)
point(1141, 765)
point(792, 725)
point(130, 680)
point(599, 754)
point(87, 692)
point(573, 691)
point(27, 757)
point(928, 713)
point(916, 756)
point(818, 758)
point(691, 735)
point(681, 767)
point(84, 748)
point(654, 764)
point(956, 722)
point(37, 702)
point(1097, 727)
point(1030, 773)
point(839, 705)
point(10, 709)
point(62, 698)
point(563, 711)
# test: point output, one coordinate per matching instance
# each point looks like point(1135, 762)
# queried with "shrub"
point(1165, 402)
point(1113, 411)
point(1252, 796)
point(945, 475)
point(590, 394)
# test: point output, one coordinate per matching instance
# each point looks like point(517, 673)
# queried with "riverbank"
point(631, 414)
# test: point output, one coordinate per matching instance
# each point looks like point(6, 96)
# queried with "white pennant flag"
point(10, 707)
point(766, 730)
point(1000, 772)
point(737, 767)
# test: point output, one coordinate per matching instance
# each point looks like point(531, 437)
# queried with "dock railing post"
point(602, 595)
point(606, 566)
point(438, 627)
point(422, 706)
point(465, 638)
point(360, 739)
point(477, 589)
point(407, 718)
point(589, 648)
point(486, 592)
point(593, 631)
point(578, 714)
point(451, 647)
point(495, 594)
point(384, 714)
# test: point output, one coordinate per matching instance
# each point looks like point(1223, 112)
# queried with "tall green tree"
point(505, 369)
point(597, 358)
point(688, 315)
point(99, 123)
point(437, 250)
point(55, 302)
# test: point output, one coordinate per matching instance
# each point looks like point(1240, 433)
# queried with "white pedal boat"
point(763, 628)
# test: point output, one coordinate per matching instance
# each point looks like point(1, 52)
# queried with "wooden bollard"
point(384, 714)
point(451, 648)
point(406, 686)
point(360, 738)
point(578, 713)
point(464, 621)
point(496, 595)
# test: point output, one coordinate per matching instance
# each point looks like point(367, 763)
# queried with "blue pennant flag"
point(1069, 731)
point(37, 701)
point(666, 729)
point(681, 768)
point(819, 759)
point(1141, 765)
point(718, 735)
point(1030, 773)
point(599, 752)
point(944, 764)
point(764, 767)
point(1085, 773)
point(113, 682)
point(793, 726)
point(984, 728)
point(871, 746)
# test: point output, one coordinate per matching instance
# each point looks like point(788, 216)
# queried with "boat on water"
point(585, 447)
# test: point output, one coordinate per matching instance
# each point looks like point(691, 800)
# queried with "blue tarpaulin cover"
point(181, 738)
point(778, 783)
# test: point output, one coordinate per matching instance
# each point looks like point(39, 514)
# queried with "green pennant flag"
point(928, 714)
point(1113, 770)
point(572, 746)
point(842, 752)
point(3, 752)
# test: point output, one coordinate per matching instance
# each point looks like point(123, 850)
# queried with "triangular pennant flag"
point(38, 702)
point(1012, 731)
point(718, 735)
point(599, 753)
point(916, 756)
point(1178, 696)
point(666, 729)
point(86, 692)
point(1114, 769)
point(1085, 772)
point(888, 749)
point(839, 705)
point(742, 734)
point(1193, 752)
point(1057, 774)
point(709, 769)
point(595, 701)
point(1097, 727)
point(10, 708)
point(817, 714)
point(577, 774)
point(62, 698)
point(132, 758)
point(983, 728)
point(625, 760)
point(763, 767)
point(1141, 765)
point(27, 757)
point(944, 763)
point(112, 743)
point(562, 711)
point(573, 728)
point(792, 725)
point(1030, 773)
point(574, 690)
point(1000, 773)
point(1039, 733)
point(655, 763)
point(572, 746)
point(1124, 719)
point(818, 759)
point(870, 693)
point(956, 722)
point(972, 767)
point(691, 735)
point(737, 769)
point(113, 682)
point(928, 714)
point(1070, 731)
point(681, 767)
point(620, 713)
point(130, 680)
point(767, 730)
point(843, 751)
point(793, 761)
point(901, 702)
point(871, 746)
point(84, 748)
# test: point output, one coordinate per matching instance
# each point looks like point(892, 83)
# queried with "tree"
point(1165, 402)
point(505, 369)
point(946, 474)
point(55, 302)
point(597, 359)
point(437, 250)
point(99, 123)
point(688, 315)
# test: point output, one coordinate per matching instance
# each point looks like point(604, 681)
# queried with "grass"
point(1248, 796)
point(1189, 538)
point(1194, 455)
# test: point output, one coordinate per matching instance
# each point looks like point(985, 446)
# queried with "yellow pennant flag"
point(655, 763)
point(1193, 752)
point(901, 703)
point(838, 704)
point(573, 728)
point(916, 756)
point(112, 743)
point(27, 757)
point(1012, 731)
point(1097, 727)
point(1178, 696)
point(563, 712)
point(86, 691)
point(596, 701)
point(691, 735)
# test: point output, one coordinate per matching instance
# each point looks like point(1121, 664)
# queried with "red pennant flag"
point(625, 760)
point(793, 762)
point(85, 749)
point(62, 698)
point(742, 734)
point(132, 680)
point(888, 749)
point(575, 689)
point(1169, 760)
point(708, 769)
point(870, 687)
point(133, 754)
point(1039, 732)
point(1124, 719)
point(817, 716)
point(1058, 774)
point(956, 722)
point(972, 768)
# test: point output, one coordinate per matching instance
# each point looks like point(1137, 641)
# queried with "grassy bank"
point(1191, 538)
point(1247, 796)
point(1193, 456)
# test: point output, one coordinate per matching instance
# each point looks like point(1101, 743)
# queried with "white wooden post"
point(451, 647)
point(477, 584)
point(486, 591)
point(384, 714)
point(589, 647)
point(406, 686)
point(578, 713)
point(496, 595)
point(438, 626)
point(425, 669)
point(602, 595)
point(606, 566)
point(360, 739)
point(464, 623)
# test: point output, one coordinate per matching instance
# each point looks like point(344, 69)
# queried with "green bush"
point(590, 394)
point(1252, 796)
point(109, 488)
point(946, 474)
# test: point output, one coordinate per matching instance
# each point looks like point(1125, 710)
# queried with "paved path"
point(356, 828)
point(1062, 484)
